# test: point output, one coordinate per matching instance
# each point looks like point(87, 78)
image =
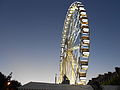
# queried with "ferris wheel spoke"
point(73, 29)
point(75, 47)
point(74, 36)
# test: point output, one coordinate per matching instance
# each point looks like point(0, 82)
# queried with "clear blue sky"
point(30, 34)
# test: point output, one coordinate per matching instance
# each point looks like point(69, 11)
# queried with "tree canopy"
point(6, 82)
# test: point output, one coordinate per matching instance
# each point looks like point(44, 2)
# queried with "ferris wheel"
point(75, 45)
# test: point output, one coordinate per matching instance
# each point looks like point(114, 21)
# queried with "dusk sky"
point(30, 35)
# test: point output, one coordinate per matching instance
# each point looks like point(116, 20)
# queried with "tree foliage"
point(7, 84)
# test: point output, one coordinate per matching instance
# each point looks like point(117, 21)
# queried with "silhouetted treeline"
point(110, 78)
point(7, 84)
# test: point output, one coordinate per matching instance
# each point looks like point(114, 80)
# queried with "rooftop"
point(50, 86)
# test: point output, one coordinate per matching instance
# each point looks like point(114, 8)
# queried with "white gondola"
point(86, 29)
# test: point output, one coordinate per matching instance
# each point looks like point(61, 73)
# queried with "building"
point(49, 86)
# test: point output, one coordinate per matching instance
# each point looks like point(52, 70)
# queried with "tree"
point(96, 85)
point(7, 84)
point(3, 81)
point(14, 84)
